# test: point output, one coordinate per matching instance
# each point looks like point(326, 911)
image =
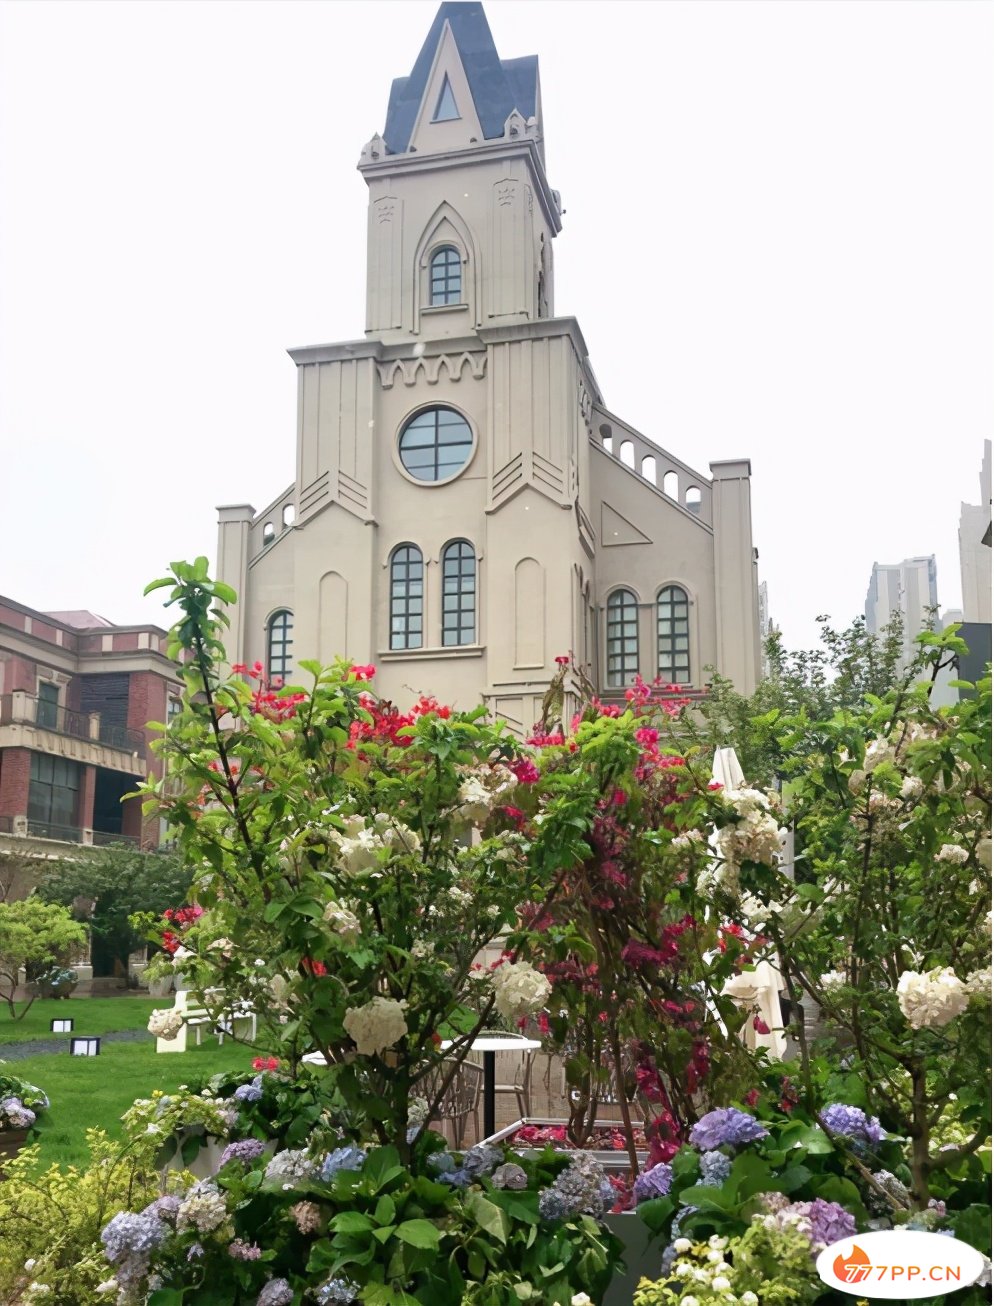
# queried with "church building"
point(466, 508)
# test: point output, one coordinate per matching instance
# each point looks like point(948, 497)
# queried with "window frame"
point(407, 606)
point(460, 602)
point(285, 643)
point(619, 678)
point(47, 707)
point(435, 445)
point(675, 596)
point(445, 288)
point(42, 790)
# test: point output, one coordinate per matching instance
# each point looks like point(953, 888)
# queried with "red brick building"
point(76, 695)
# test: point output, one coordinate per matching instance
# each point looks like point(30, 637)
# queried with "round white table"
point(490, 1044)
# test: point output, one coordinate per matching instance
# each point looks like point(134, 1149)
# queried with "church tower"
point(465, 508)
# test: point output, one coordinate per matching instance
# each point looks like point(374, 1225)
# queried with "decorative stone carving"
point(431, 369)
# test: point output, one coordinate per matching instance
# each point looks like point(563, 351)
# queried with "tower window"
point(435, 444)
point(407, 590)
point(279, 645)
point(673, 635)
point(622, 638)
point(445, 276)
point(458, 593)
point(445, 109)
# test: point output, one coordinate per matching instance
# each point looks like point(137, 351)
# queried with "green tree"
point(33, 933)
point(107, 887)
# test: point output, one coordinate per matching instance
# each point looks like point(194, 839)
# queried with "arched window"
point(280, 659)
point(407, 596)
point(622, 638)
point(435, 444)
point(673, 635)
point(445, 276)
point(458, 593)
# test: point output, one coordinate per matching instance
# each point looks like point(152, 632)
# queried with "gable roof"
point(497, 86)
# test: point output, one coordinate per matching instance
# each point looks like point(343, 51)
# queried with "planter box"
point(11, 1142)
point(610, 1159)
point(643, 1253)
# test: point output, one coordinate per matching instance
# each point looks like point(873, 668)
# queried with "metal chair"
point(520, 1068)
point(460, 1100)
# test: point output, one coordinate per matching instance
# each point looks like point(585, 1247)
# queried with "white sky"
point(778, 243)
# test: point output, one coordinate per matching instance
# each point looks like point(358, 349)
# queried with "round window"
point(435, 444)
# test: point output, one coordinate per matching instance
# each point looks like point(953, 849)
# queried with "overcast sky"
point(778, 243)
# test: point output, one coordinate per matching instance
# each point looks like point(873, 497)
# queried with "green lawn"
point(89, 1016)
point(95, 1091)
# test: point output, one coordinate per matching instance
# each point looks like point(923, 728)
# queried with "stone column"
point(736, 605)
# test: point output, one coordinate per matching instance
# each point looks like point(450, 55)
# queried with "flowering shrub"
point(20, 1103)
point(351, 1224)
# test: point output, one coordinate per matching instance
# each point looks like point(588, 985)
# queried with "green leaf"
point(350, 1222)
point(655, 1214)
point(419, 1233)
point(386, 1210)
point(973, 1225)
point(490, 1218)
point(166, 1296)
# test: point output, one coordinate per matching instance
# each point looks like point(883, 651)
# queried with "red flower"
point(265, 1063)
point(526, 771)
point(363, 672)
point(562, 661)
point(752, 1097)
point(312, 967)
point(760, 1025)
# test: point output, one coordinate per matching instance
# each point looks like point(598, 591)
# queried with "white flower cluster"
point(519, 989)
point(165, 1022)
point(953, 854)
point(755, 913)
point(343, 922)
point(376, 1026)
point(483, 789)
point(932, 999)
point(755, 836)
point(877, 751)
point(978, 985)
point(709, 1277)
point(360, 844)
point(834, 979)
point(203, 1209)
point(912, 787)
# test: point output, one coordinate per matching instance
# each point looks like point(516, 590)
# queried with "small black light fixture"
point(61, 1026)
point(84, 1046)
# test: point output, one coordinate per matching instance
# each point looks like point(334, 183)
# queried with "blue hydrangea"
point(442, 1162)
point(129, 1235)
point(715, 1169)
point(581, 1189)
point(850, 1122)
point(459, 1178)
point(246, 1150)
point(337, 1290)
point(482, 1159)
point(249, 1093)
point(654, 1182)
point(165, 1208)
point(343, 1158)
point(552, 1205)
point(726, 1127)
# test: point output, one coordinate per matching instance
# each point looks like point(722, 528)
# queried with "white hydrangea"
point(343, 922)
point(519, 989)
point(376, 1026)
point(931, 1000)
point(978, 984)
point(360, 843)
point(952, 853)
point(833, 979)
point(755, 913)
point(748, 800)
point(877, 751)
point(687, 841)
point(483, 789)
point(753, 838)
point(165, 1022)
point(912, 787)
point(182, 954)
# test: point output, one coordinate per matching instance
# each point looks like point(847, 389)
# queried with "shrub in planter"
point(20, 1105)
point(349, 1224)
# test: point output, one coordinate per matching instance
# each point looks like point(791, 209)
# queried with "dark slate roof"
point(497, 86)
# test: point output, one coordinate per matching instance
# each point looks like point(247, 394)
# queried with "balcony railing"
point(102, 839)
point(49, 830)
point(25, 827)
point(23, 708)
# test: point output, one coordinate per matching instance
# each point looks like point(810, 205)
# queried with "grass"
point(89, 1016)
point(94, 1092)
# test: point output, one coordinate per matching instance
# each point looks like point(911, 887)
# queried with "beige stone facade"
point(518, 518)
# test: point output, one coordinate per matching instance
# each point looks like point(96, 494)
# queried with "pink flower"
point(526, 771)
point(562, 661)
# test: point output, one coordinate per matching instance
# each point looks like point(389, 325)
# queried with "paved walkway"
point(40, 1046)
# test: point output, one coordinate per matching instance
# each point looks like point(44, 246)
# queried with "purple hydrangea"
point(715, 1169)
point(246, 1150)
point(458, 1178)
point(343, 1158)
point(726, 1127)
point(277, 1292)
point(243, 1251)
point(829, 1221)
point(250, 1093)
point(850, 1122)
point(654, 1182)
point(164, 1208)
point(195, 1253)
point(18, 1116)
point(581, 1189)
